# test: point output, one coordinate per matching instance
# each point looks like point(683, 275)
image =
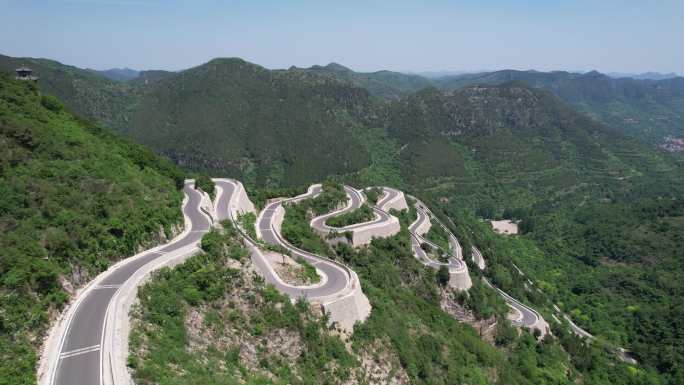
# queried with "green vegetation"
point(205, 184)
point(259, 196)
point(248, 222)
point(360, 215)
point(296, 227)
point(484, 302)
point(438, 236)
point(84, 93)
point(443, 275)
point(647, 109)
point(75, 199)
point(373, 194)
point(297, 231)
point(385, 84)
point(332, 196)
point(433, 348)
point(253, 121)
point(308, 271)
point(238, 316)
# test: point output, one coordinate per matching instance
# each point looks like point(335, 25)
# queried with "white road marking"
point(107, 287)
point(80, 351)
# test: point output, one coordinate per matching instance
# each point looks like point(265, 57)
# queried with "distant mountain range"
point(649, 109)
point(118, 74)
point(234, 117)
point(643, 75)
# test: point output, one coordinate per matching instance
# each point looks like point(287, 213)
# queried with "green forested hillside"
point(87, 94)
point(267, 127)
point(648, 109)
point(210, 320)
point(75, 199)
point(600, 211)
point(385, 84)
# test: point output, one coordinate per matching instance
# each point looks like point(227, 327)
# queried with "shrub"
point(51, 103)
point(205, 184)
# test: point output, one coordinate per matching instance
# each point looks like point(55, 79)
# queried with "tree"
point(205, 183)
point(443, 275)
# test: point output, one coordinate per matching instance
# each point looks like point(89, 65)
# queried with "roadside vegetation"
point(360, 215)
point(332, 197)
point(75, 199)
point(438, 236)
point(205, 184)
point(259, 196)
point(247, 222)
point(296, 229)
point(374, 194)
point(434, 348)
point(308, 271)
point(209, 321)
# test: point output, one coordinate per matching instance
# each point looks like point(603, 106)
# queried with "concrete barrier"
point(240, 202)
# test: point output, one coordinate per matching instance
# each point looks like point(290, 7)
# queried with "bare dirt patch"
point(505, 227)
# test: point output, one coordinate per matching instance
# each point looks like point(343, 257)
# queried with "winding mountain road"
point(338, 277)
point(417, 239)
point(80, 356)
point(356, 200)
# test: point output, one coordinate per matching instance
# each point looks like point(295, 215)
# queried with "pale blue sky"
point(608, 35)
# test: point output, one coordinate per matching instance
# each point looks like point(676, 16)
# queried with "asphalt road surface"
point(417, 240)
point(337, 276)
point(529, 316)
point(80, 361)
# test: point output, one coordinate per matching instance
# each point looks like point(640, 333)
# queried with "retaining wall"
point(397, 203)
point(350, 308)
point(363, 235)
point(345, 308)
point(240, 201)
point(460, 279)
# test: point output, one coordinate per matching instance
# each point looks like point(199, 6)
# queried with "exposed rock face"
point(375, 362)
point(449, 303)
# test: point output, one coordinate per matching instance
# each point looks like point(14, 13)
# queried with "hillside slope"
point(600, 211)
point(648, 109)
point(512, 131)
point(266, 127)
point(75, 199)
point(385, 84)
point(85, 93)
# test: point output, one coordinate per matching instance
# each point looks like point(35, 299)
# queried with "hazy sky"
point(607, 35)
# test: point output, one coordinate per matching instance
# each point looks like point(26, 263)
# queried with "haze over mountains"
point(649, 109)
